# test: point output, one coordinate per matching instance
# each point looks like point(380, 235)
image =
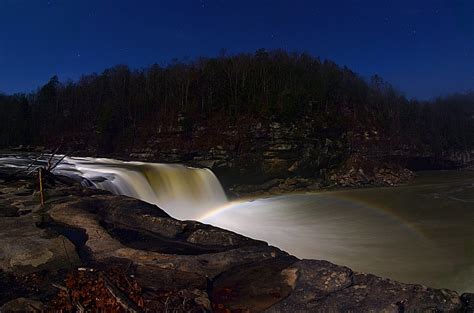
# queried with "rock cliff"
point(270, 156)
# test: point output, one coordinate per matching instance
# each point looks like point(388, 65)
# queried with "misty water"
point(419, 233)
point(422, 232)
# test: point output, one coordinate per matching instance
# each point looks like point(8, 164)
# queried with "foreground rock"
point(91, 250)
point(25, 248)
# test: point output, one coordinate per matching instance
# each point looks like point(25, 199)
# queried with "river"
point(422, 232)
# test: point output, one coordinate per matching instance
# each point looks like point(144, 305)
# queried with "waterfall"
point(183, 192)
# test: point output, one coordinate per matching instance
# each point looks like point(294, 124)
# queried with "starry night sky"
point(424, 48)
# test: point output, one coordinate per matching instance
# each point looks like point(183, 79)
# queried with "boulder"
point(311, 281)
point(322, 286)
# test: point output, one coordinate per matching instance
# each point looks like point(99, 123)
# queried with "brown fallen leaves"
point(23, 285)
point(109, 287)
point(89, 290)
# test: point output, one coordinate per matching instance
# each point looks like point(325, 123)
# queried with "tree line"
point(120, 105)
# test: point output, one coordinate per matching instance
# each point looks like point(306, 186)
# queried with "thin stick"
point(77, 304)
point(33, 170)
point(119, 296)
point(34, 161)
point(29, 166)
point(52, 156)
point(57, 163)
point(60, 287)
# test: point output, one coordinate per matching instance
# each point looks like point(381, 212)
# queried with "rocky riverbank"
point(88, 249)
point(355, 172)
point(266, 155)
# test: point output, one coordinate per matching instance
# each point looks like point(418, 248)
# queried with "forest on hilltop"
point(120, 105)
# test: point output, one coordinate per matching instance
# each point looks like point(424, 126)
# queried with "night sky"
point(425, 48)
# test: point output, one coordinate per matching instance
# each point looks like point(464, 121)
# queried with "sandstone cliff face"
point(250, 154)
point(131, 255)
point(254, 154)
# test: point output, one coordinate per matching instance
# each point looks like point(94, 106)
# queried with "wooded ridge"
point(122, 108)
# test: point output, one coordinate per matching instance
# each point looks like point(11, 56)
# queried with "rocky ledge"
point(355, 172)
point(88, 250)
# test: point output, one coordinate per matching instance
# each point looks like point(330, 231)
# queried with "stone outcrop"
point(86, 245)
point(250, 156)
point(322, 286)
point(250, 152)
point(26, 248)
point(359, 171)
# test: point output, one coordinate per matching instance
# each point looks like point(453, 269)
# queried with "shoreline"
point(260, 276)
point(315, 185)
point(270, 187)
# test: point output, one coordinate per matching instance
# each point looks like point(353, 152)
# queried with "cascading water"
point(183, 192)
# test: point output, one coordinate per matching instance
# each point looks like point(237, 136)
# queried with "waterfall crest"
point(183, 192)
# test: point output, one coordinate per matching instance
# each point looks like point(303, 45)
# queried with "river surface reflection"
point(419, 233)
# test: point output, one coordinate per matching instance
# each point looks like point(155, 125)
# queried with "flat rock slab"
point(26, 248)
